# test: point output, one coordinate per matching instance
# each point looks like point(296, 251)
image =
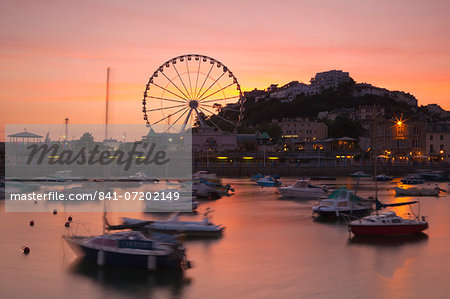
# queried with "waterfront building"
point(438, 142)
point(365, 114)
point(398, 141)
point(329, 79)
point(303, 129)
point(25, 137)
point(209, 139)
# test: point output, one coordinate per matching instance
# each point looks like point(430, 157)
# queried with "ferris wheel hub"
point(193, 104)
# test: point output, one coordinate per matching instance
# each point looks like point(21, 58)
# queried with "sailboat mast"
point(107, 103)
point(375, 150)
point(106, 136)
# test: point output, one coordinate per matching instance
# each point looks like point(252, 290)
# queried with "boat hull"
point(416, 192)
point(123, 260)
point(194, 229)
point(387, 230)
point(268, 184)
point(334, 214)
point(189, 233)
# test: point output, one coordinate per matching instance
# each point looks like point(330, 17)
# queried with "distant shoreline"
point(307, 171)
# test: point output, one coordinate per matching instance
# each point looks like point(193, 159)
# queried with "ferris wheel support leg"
point(186, 120)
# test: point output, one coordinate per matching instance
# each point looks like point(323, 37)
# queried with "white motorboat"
point(302, 189)
point(417, 191)
point(173, 225)
point(342, 201)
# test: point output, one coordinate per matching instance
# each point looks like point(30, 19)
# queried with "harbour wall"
point(307, 171)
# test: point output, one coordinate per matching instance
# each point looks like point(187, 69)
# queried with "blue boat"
point(268, 181)
point(131, 249)
point(256, 177)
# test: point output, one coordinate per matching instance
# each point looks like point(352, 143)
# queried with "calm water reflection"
point(271, 248)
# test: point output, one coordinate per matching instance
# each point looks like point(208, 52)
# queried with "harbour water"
point(271, 248)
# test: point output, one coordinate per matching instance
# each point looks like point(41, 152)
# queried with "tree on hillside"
point(272, 129)
point(344, 127)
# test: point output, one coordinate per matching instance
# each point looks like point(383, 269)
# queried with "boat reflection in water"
point(132, 282)
point(389, 241)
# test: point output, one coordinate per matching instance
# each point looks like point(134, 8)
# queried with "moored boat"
point(256, 177)
point(302, 189)
point(342, 201)
point(387, 224)
point(129, 249)
point(205, 189)
point(436, 176)
point(412, 180)
point(173, 225)
point(417, 192)
point(268, 181)
point(203, 174)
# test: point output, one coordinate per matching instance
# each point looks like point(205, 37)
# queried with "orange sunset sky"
point(54, 54)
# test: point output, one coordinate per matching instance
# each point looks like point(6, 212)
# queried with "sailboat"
point(388, 223)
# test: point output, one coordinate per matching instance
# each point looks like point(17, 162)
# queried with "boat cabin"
point(386, 217)
point(132, 240)
point(342, 198)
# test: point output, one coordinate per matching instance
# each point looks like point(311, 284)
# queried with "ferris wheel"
point(193, 90)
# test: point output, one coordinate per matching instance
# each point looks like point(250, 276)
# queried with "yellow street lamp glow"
point(273, 158)
point(247, 158)
point(222, 158)
point(399, 123)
